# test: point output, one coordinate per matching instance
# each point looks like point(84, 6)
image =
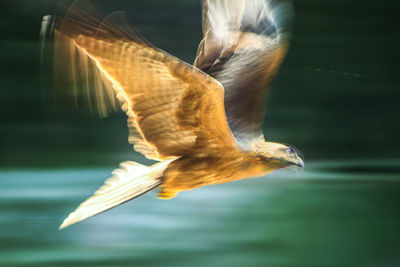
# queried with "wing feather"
point(243, 46)
point(173, 108)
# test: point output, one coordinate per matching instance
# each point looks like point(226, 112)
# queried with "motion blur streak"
point(203, 122)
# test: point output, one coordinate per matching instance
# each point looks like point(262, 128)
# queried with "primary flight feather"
point(202, 122)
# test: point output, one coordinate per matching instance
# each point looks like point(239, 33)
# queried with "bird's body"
point(195, 171)
point(202, 122)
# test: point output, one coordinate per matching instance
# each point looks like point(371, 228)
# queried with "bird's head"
point(276, 156)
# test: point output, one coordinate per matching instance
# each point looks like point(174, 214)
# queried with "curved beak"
point(299, 162)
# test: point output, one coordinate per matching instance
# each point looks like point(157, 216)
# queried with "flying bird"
point(202, 122)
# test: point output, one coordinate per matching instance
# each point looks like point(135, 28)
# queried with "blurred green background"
point(336, 96)
point(336, 99)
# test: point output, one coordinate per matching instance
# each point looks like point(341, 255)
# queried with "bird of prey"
point(202, 122)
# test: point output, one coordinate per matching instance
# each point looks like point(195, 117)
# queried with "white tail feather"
point(128, 182)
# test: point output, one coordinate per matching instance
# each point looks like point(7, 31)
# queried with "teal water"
point(332, 214)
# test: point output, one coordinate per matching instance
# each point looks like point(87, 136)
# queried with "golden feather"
point(169, 103)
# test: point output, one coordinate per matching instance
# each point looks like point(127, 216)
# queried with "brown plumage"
point(176, 112)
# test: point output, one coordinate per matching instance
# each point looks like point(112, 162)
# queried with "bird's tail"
point(129, 181)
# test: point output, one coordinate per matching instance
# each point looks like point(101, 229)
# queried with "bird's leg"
point(167, 193)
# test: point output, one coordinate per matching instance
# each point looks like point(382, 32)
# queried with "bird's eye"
point(291, 153)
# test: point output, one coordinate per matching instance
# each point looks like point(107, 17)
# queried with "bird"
point(203, 123)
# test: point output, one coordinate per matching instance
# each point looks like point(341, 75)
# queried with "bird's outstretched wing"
point(173, 108)
point(243, 46)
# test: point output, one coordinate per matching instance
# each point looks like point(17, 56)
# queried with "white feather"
point(227, 16)
point(127, 182)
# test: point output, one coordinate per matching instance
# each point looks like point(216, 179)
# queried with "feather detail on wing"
point(243, 46)
point(172, 107)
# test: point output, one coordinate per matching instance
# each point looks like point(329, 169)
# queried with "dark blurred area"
point(336, 95)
